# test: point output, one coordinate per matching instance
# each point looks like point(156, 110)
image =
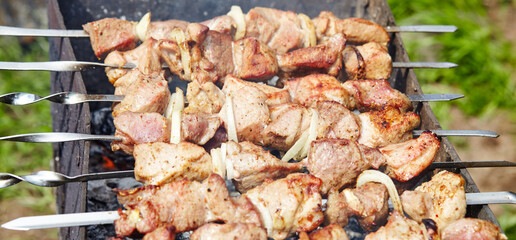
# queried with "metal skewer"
point(54, 179)
point(54, 137)
point(20, 98)
point(67, 66)
point(108, 217)
point(17, 31)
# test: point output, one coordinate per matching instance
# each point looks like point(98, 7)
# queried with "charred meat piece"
point(146, 57)
point(470, 229)
point(235, 231)
point(142, 93)
point(184, 205)
point(399, 227)
point(337, 162)
point(280, 30)
point(158, 163)
point(368, 95)
point(253, 60)
point(407, 159)
point(297, 209)
point(448, 196)
point(368, 61)
point(136, 128)
point(252, 164)
point(386, 126)
point(330, 232)
point(323, 57)
point(357, 30)
point(110, 33)
point(368, 203)
point(317, 87)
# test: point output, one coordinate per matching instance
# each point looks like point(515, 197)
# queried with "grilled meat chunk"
point(448, 196)
point(280, 30)
point(110, 33)
point(161, 233)
point(252, 164)
point(337, 162)
point(368, 95)
point(161, 29)
point(357, 30)
point(386, 126)
point(336, 121)
point(317, 87)
point(136, 128)
point(323, 57)
point(253, 60)
point(184, 205)
point(472, 229)
point(417, 205)
point(158, 163)
point(250, 110)
point(204, 98)
point(368, 61)
point(296, 209)
point(145, 57)
point(287, 123)
point(199, 128)
point(399, 227)
point(142, 93)
point(223, 24)
point(235, 231)
point(330, 232)
point(407, 159)
point(368, 203)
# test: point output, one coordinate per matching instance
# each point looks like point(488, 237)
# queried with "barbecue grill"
point(73, 158)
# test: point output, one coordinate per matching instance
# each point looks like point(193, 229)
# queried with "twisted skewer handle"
point(19, 98)
point(54, 179)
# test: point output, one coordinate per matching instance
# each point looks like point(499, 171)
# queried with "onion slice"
point(308, 26)
point(377, 176)
point(143, 26)
point(312, 133)
point(294, 151)
point(178, 36)
point(239, 18)
point(218, 165)
point(230, 170)
point(177, 110)
point(232, 130)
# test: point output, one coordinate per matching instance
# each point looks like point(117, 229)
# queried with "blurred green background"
point(483, 47)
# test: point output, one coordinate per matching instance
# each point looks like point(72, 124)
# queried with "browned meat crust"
point(472, 229)
point(111, 34)
point(235, 231)
point(368, 95)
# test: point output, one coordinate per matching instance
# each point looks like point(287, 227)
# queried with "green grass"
point(24, 158)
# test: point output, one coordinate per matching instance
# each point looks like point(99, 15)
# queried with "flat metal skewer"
point(108, 217)
point(54, 179)
point(54, 137)
point(18, 31)
point(67, 66)
point(20, 98)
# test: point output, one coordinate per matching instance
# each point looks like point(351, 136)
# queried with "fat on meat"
point(368, 61)
point(297, 209)
point(369, 203)
point(233, 230)
point(142, 93)
point(386, 126)
point(204, 98)
point(158, 163)
point(251, 165)
point(446, 189)
point(135, 128)
point(472, 229)
point(407, 159)
point(184, 205)
point(372, 94)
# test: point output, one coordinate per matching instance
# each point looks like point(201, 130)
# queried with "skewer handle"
point(17, 31)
